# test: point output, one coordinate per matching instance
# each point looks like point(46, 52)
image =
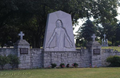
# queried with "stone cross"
point(93, 37)
point(21, 34)
point(104, 36)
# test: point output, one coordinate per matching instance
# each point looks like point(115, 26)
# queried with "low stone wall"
point(67, 57)
point(39, 58)
point(106, 53)
point(6, 52)
point(36, 58)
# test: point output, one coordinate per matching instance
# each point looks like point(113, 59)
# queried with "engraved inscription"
point(96, 51)
point(23, 50)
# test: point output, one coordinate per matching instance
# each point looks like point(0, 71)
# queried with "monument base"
point(66, 57)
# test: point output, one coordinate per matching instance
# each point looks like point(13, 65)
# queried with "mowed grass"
point(63, 73)
point(112, 47)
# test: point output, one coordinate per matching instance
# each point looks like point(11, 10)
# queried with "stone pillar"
point(23, 48)
point(95, 50)
point(96, 54)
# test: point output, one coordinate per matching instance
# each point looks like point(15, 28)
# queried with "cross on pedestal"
point(93, 37)
point(21, 34)
point(104, 36)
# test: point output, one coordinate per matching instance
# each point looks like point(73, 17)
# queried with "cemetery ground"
point(112, 47)
point(117, 48)
point(107, 72)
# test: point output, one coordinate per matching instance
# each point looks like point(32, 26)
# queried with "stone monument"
point(95, 53)
point(59, 32)
point(94, 49)
point(104, 41)
point(23, 48)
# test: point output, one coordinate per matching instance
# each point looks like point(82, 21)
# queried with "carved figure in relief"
point(60, 38)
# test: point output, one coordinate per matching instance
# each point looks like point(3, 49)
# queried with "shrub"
point(75, 64)
point(14, 60)
point(62, 65)
point(114, 61)
point(3, 60)
point(67, 66)
point(53, 65)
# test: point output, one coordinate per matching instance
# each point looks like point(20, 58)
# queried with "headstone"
point(59, 32)
point(104, 41)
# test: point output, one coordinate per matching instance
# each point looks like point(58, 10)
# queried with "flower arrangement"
point(90, 65)
point(62, 65)
point(53, 65)
point(67, 66)
point(49, 67)
point(75, 65)
point(95, 66)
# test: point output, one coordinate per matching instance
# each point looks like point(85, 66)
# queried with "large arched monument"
point(59, 32)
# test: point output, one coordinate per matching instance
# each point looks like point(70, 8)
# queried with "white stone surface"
point(25, 60)
point(104, 41)
point(96, 58)
point(93, 37)
point(59, 32)
point(82, 57)
point(21, 34)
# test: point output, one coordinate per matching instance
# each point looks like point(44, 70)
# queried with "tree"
point(7, 23)
point(110, 31)
point(30, 16)
point(117, 35)
point(87, 30)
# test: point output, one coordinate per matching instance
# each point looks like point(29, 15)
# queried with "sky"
point(81, 21)
point(118, 17)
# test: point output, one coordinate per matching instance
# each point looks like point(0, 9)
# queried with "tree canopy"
point(87, 30)
point(30, 16)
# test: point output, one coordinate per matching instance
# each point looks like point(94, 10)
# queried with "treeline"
point(85, 32)
point(30, 16)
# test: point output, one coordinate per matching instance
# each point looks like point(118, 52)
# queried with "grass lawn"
point(112, 47)
point(62, 73)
